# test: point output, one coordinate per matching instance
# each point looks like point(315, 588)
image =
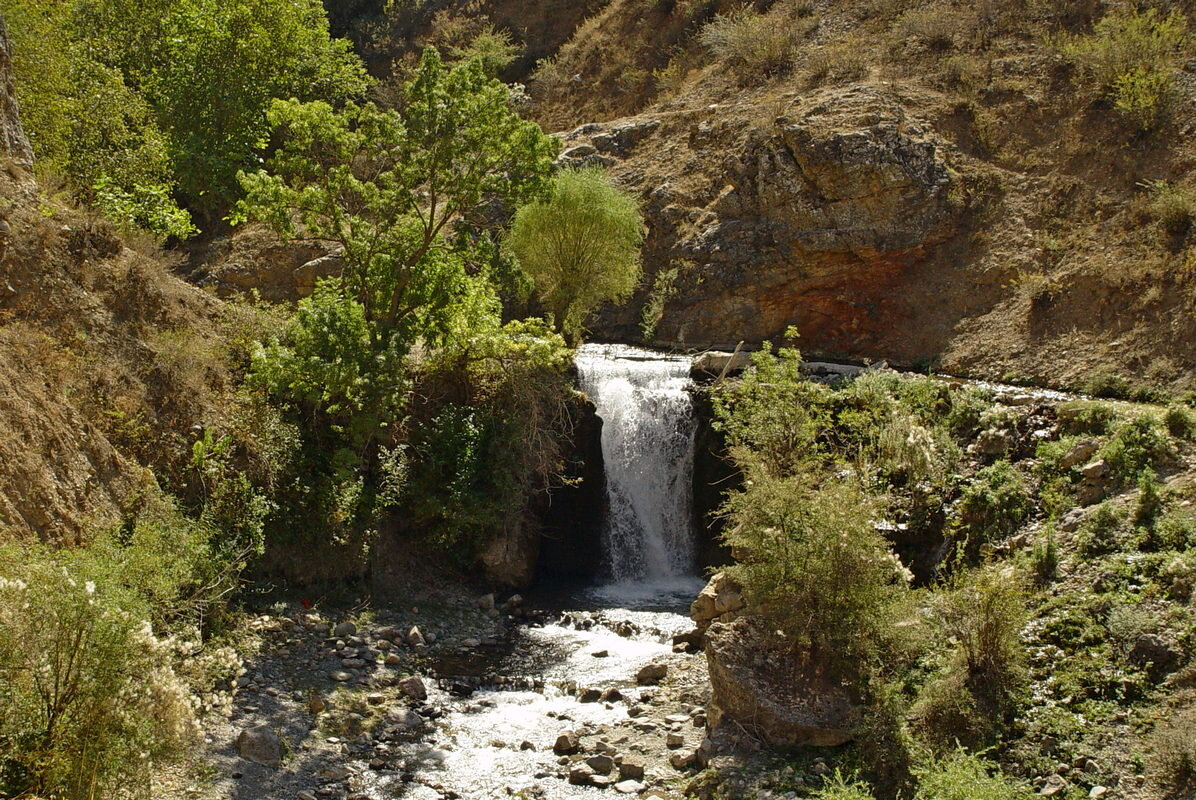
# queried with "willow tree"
point(581, 246)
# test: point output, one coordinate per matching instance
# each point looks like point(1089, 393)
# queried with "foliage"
point(1045, 556)
point(664, 286)
point(1171, 205)
point(581, 246)
point(388, 187)
point(1135, 445)
point(811, 558)
point(1180, 421)
point(772, 415)
point(993, 505)
point(1132, 56)
point(962, 776)
point(980, 616)
point(136, 101)
point(1084, 416)
point(1173, 753)
point(89, 702)
point(838, 787)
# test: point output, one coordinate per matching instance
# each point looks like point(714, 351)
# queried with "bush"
point(966, 777)
point(1045, 557)
point(1180, 421)
point(983, 615)
point(1101, 533)
point(1078, 417)
point(934, 26)
point(839, 788)
point(1172, 763)
point(752, 44)
point(992, 506)
point(89, 704)
point(813, 562)
point(1137, 445)
point(1132, 56)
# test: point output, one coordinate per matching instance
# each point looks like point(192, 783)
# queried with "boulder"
point(601, 764)
point(414, 688)
point(782, 703)
point(261, 745)
point(580, 775)
point(651, 674)
point(567, 744)
point(1079, 453)
point(344, 630)
point(631, 768)
point(719, 599)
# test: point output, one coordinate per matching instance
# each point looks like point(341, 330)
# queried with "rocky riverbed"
point(465, 697)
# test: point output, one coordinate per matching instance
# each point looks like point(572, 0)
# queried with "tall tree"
point(399, 191)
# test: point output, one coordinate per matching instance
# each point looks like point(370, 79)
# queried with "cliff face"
point(813, 218)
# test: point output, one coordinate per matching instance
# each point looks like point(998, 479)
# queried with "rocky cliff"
point(13, 142)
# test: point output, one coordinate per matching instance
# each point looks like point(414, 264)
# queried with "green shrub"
point(1045, 556)
point(1174, 530)
point(1132, 56)
point(839, 788)
point(1102, 530)
point(814, 564)
point(1137, 445)
point(983, 615)
point(1078, 417)
point(89, 703)
point(1180, 421)
point(962, 776)
point(993, 505)
point(1152, 500)
point(1106, 384)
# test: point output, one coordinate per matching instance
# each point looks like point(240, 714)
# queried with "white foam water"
point(648, 427)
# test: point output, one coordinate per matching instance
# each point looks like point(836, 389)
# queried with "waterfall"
point(648, 427)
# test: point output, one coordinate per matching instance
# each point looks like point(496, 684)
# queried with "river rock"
point(602, 764)
point(580, 775)
point(589, 696)
point(651, 674)
point(673, 740)
point(413, 687)
point(261, 745)
point(415, 638)
point(404, 718)
point(612, 696)
point(629, 787)
point(344, 629)
point(631, 768)
point(682, 759)
point(567, 744)
point(340, 676)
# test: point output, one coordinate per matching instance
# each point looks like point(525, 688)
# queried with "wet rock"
point(261, 745)
point(651, 674)
point(589, 696)
point(612, 696)
point(600, 653)
point(459, 689)
point(526, 745)
point(567, 744)
point(636, 711)
point(413, 687)
point(602, 764)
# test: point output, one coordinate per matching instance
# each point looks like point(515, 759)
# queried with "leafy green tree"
point(402, 193)
point(581, 246)
point(158, 100)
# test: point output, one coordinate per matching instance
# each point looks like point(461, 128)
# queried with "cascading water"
point(647, 444)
